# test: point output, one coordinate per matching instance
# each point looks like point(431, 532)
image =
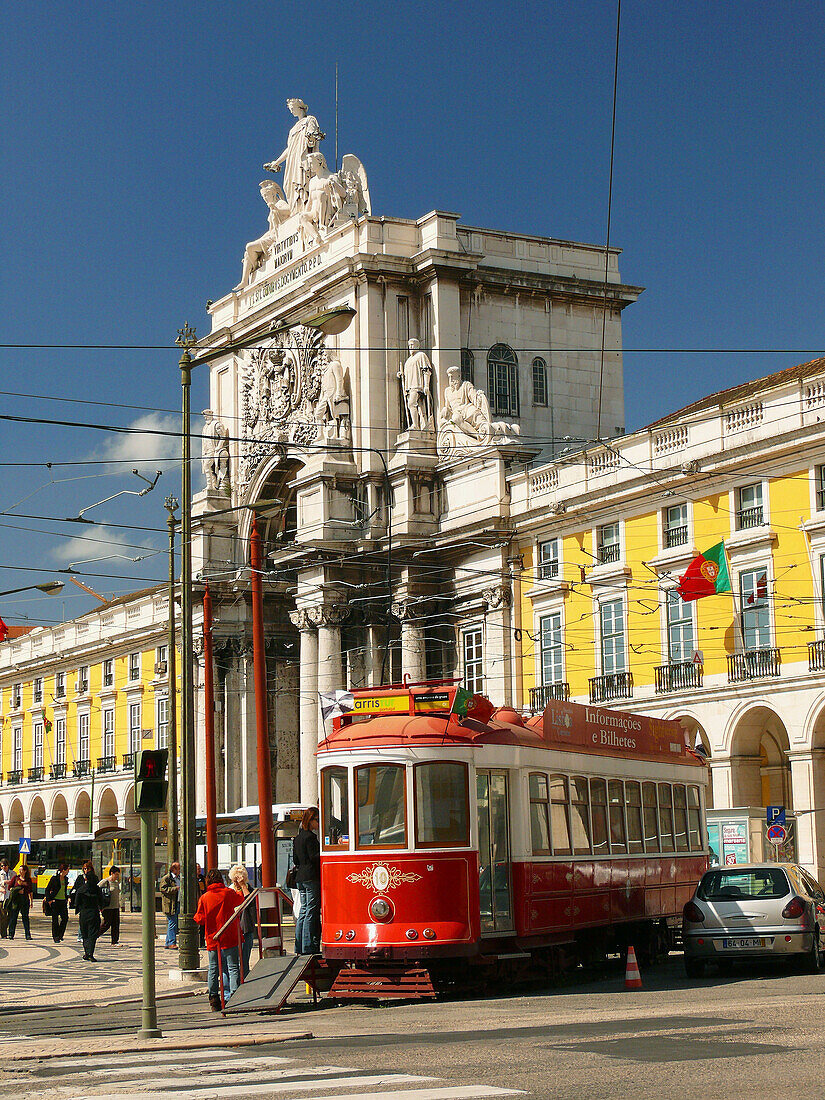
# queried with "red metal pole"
point(209, 728)
point(261, 717)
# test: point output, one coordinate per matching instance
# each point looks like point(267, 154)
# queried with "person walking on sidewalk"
point(87, 902)
point(5, 878)
point(306, 855)
point(56, 902)
point(215, 908)
point(170, 904)
point(110, 889)
point(21, 892)
point(239, 881)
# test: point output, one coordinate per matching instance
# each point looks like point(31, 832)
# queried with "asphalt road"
point(759, 1033)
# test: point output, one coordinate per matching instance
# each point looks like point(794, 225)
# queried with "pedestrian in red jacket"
point(215, 908)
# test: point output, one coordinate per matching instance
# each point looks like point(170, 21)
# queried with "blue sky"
point(133, 137)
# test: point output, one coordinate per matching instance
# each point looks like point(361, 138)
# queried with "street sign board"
point(25, 848)
point(776, 815)
point(777, 834)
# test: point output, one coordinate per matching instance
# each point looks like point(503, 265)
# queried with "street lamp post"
point(171, 506)
point(189, 956)
point(51, 588)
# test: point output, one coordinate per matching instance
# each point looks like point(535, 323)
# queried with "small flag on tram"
point(334, 704)
point(4, 630)
point(707, 575)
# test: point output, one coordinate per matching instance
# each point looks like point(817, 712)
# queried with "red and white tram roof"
point(415, 716)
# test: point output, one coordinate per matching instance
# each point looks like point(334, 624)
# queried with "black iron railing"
point(35, 775)
point(541, 696)
point(128, 761)
point(81, 768)
point(57, 771)
point(15, 777)
point(616, 685)
point(754, 664)
point(106, 763)
point(608, 553)
point(678, 676)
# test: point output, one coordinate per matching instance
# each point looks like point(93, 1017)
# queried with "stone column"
point(309, 708)
point(327, 618)
point(497, 645)
point(410, 614)
point(806, 770)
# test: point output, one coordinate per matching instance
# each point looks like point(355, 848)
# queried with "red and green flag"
point(707, 575)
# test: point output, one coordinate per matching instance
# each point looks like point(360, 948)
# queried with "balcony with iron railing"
point(609, 553)
point(81, 768)
point(15, 777)
point(541, 696)
point(676, 536)
point(753, 664)
point(128, 761)
point(35, 775)
point(677, 676)
point(106, 763)
point(57, 771)
point(746, 518)
point(820, 499)
point(816, 656)
point(615, 685)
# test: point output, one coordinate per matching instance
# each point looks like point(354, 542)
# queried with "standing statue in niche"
point(415, 378)
point(304, 139)
point(215, 454)
point(256, 251)
point(332, 410)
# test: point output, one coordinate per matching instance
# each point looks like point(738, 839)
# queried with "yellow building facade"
point(605, 533)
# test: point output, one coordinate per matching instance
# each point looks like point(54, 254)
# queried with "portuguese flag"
point(707, 575)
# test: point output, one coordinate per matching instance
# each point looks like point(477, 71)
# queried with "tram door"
point(494, 852)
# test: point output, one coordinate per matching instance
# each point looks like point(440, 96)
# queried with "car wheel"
point(815, 955)
point(694, 968)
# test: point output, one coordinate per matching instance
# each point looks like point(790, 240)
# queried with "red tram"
point(456, 839)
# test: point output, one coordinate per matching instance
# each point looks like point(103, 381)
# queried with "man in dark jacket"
point(56, 902)
point(87, 901)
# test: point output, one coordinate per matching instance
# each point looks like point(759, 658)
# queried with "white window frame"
point(17, 749)
point(37, 689)
point(60, 740)
point(601, 542)
point(135, 731)
point(549, 554)
point(472, 669)
point(84, 740)
point(765, 628)
point(672, 599)
point(162, 722)
point(134, 667)
point(109, 736)
point(37, 744)
point(108, 673)
point(667, 528)
point(557, 647)
point(539, 370)
point(503, 381)
point(760, 499)
point(622, 652)
point(60, 685)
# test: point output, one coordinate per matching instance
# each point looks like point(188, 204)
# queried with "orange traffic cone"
point(632, 977)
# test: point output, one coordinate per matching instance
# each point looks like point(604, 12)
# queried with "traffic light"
point(150, 779)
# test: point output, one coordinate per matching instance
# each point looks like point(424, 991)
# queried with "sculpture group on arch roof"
point(313, 197)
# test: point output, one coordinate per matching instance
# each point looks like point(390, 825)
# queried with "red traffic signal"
point(150, 780)
point(151, 764)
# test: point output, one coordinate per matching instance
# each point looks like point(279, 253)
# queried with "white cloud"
point(142, 448)
point(103, 544)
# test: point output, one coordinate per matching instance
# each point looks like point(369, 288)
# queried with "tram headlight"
point(380, 909)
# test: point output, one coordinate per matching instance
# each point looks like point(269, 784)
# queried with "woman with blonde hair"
point(239, 881)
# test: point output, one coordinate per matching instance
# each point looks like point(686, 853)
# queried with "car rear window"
point(731, 885)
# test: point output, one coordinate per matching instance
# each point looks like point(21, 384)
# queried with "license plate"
point(743, 941)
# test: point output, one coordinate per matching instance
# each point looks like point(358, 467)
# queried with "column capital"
point(405, 609)
point(328, 614)
point(301, 620)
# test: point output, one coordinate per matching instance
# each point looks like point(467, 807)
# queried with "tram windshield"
point(382, 809)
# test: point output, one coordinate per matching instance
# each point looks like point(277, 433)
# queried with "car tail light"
point(794, 909)
point(693, 913)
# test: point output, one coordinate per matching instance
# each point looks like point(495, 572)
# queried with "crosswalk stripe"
point(138, 1058)
point(247, 1068)
point(263, 1087)
point(453, 1092)
point(209, 1068)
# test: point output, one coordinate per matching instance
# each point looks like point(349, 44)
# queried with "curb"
point(20, 1010)
point(138, 1046)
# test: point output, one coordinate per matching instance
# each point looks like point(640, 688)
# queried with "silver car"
point(754, 910)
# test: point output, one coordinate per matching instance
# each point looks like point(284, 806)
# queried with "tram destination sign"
point(606, 732)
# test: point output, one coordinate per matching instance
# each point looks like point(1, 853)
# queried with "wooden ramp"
point(271, 980)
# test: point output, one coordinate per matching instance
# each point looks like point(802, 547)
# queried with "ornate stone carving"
point(280, 390)
point(415, 379)
point(499, 595)
point(332, 412)
point(405, 610)
point(464, 420)
point(256, 251)
point(215, 453)
point(328, 614)
point(301, 620)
